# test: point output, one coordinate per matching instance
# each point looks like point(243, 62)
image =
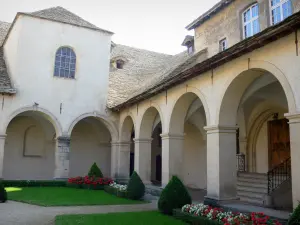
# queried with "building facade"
point(221, 116)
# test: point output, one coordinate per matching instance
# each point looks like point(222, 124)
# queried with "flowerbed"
point(93, 183)
point(116, 189)
point(218, 216)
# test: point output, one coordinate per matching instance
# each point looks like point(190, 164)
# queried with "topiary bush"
point(295, 217)
point(174, 196)
point(3, 193)
point(135, 187)
point(95, 171)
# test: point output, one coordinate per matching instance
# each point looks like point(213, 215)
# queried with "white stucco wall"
point(30, 54)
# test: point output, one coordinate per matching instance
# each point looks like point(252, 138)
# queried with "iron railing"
point(278, 175)
point(240, 164)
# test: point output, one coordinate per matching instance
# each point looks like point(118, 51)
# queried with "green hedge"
point(195, 220)
point(116, 192)
point(34, 183)
point(72, 185)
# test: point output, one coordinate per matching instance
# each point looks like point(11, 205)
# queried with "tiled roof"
point(142, 69)
point(4, 27)
point(60, 14)
point(5, 84)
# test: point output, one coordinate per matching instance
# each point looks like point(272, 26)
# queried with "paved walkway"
point(15, 213)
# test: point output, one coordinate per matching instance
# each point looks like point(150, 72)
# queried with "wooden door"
point(279, 142)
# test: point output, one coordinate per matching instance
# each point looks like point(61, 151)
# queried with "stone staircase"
point(252, 187)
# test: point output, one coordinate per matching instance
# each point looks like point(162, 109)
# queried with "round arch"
point(41, 111)
point(181, 107)
point(145, 127)
point(108, 124)
point(126, 128)
point(237, 85)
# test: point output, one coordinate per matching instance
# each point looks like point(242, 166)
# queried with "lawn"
point(63, 196)
point(136, 218)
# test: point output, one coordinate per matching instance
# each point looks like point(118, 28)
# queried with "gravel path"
point(15, 213)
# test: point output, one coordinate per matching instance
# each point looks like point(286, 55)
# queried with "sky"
point(156, 25)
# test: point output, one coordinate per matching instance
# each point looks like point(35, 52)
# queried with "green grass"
point(62, 196)
point(132, 218)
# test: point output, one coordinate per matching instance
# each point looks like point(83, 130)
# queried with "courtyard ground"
point(62, 196)
point(16, 213)
point(139, 218)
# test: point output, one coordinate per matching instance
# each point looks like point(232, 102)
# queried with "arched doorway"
point(127, 138)
point(189, 119)
point(255, 103)
point(148, 147)
point(90, 142)
point(29, 152)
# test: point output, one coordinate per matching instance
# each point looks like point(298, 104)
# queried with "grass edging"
point(116, 192)
point(34, 183)
point(191, 219)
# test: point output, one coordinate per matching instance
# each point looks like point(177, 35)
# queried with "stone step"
point(252, 184)
point(252, 189)
point(253, 195)
point(253, 175)
point(253, 180)
point(251, 200)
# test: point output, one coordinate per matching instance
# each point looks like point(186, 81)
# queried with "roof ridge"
point(160, 53)
point(63, 15)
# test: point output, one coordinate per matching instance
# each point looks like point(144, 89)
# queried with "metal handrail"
point(279, 175)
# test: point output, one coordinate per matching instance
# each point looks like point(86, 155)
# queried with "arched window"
point(280, 9)
point(65, 63)
point(251, 21)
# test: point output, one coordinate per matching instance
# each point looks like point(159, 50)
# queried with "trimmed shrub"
point(34, 183)
point(295, 217)
point(174, 196)
point(3, 193)
point(135, 187)
point(95, 171)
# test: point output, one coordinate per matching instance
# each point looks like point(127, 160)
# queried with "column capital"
point(220, 129)
point(120, 143)
point(142, 140)
point(3, 136)
point(63, 138)
point(293, 117)
point(172, 136)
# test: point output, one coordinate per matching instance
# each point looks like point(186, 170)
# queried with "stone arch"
point(262, 113)
point(126, 128)
point(147, 119)
point(236, 86)
point(42, 112)
point(105, 120)
point(180, 109)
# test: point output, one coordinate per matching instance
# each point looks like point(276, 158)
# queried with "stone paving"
point(15, 213)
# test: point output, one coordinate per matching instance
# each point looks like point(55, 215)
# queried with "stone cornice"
point(121, 143)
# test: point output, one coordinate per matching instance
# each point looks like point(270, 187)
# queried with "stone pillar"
point(2, 145)
point(120, 161)
point(142, 159)
point(62, 157)
point(172, 153)
point(294, 121)
point(221, 163)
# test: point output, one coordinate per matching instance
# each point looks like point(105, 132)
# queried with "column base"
point(216, 202)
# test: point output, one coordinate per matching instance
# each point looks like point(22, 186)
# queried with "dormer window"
point(189, 43)
point(120, 64)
